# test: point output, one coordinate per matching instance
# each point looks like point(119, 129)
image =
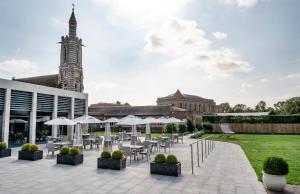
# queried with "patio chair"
point(51, 148)
point(180, 137)
point(127, 152)
point(120, 145)
point(166, 144)
point(146, 151)
point(98, 141)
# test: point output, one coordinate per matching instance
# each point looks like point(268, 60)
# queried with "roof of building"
point(178, 94)
point(134, 110)
point(107, 104)
point(45, 80)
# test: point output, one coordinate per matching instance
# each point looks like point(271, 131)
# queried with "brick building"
point(192, 103)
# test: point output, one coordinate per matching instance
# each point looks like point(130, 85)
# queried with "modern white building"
point(26, 103)
point(25, 107)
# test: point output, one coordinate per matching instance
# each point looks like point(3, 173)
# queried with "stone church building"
point(70, 76)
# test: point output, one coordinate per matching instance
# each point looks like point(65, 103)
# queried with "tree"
point(190, 125)
point(261, 106)
point(182, 128)
point(239, 108)
point(226, 107)
point(171, 128)
point(278, 106)
point(291, 106)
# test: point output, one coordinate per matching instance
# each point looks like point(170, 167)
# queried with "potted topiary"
point(30, 152)
point(4, 151)
point(274, 171)
point(165, 166)
point(69, 156)
point(116, 161)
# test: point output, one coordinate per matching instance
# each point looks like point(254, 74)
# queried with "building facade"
point(26, 103)
point(192, 103)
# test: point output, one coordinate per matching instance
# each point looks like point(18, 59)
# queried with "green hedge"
point(252, 119)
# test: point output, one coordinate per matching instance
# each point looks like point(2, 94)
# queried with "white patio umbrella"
point(148, 121)
point(174, 120)
point(131, 121)
point(107, 134)
point(111, 120)
point(43, 119)
point(60, 121)
point(87, 119)
point(78, 140)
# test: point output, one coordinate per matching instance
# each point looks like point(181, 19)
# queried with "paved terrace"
point(226, 170)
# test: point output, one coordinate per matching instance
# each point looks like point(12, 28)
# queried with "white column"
point(71, 116)
point(32, 128)
point(54, 116)
point(6, 116)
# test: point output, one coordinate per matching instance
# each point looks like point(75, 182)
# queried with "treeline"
point(288, 107)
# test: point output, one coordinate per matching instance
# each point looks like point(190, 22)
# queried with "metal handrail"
point(209, 145)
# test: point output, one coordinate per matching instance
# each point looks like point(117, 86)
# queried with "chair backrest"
point(120, 145)
point(126, 151)
point(50, 146)
point(146, 144)
point(167, 143)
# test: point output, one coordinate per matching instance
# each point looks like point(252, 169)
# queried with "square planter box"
point(27, 155)
point(109, 163)
point(5, 153)
point(165, 169)
point(69, 159)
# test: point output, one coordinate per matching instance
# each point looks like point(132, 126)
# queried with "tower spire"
point(72, 23)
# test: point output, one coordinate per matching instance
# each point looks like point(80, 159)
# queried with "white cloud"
point(240, 3)
point(264, 80)
point(220, 35)
point(58, 22)
point(145, 13)
point(292, 76)
point(17, 68)
point(245, 86)
point(188, 46)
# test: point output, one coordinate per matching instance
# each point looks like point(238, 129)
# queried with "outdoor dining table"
point(62, 143)
point(135, 149)
point(154, 143)
point(91, 140)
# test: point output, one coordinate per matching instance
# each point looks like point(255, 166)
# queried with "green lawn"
point(257, 147)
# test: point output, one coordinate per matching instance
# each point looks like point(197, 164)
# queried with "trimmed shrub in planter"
point(30, 152)
point(116, 161)
point(69, 156)
point(165, 166)
point(274, 171)
point(4, 151)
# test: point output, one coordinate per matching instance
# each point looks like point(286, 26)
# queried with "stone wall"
point(261, 128)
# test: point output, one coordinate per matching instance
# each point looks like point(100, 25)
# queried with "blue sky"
point(236, 51)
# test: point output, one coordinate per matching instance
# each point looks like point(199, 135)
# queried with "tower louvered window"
point(21, 101)
point(45, 103)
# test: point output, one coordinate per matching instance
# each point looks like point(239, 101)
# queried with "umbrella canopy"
point(111, 120)
point(107, 134)
point(60, 121)
point(175, 120)
point(150, 120)
point(131, 120)
point(163, 120)
point(86, 119)
point(18, 121)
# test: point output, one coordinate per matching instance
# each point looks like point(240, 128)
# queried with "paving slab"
point(225, 170)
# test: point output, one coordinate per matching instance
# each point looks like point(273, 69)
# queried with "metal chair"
point(51, 148)
point(166, 144)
